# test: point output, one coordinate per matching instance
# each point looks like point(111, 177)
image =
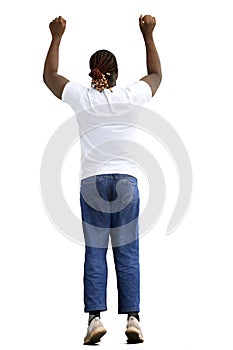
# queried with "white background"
point(186, 279)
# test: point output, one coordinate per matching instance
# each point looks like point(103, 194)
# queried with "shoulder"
point(73, 88)
point(139, 92)
point(139, 85)
point(72, 93)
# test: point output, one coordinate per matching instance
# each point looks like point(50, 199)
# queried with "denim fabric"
point(110, 210)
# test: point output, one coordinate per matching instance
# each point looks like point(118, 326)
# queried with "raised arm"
point(154, 77)
point(54, 81)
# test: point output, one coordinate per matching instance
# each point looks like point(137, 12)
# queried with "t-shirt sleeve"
point(140, 92)
point(72, 93)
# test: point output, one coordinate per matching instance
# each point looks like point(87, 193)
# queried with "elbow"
point(158, 77)
point(44, 78)
point(47, 78)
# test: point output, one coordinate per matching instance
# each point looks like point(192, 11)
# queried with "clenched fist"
point(57, 27)
point(147, 24)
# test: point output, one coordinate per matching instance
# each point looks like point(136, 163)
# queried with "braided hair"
point(104, 70)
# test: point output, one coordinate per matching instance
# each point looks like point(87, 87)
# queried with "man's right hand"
point(57, 27)
point(147, 24)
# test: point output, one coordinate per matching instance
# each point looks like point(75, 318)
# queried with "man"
point(109, 195)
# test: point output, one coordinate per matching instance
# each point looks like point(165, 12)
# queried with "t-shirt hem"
point(106, 172)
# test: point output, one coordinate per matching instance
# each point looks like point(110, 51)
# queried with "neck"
point(113, 84)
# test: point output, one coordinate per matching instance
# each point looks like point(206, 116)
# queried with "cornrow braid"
point(104, 70)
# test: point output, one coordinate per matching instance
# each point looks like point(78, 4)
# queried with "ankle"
point(134, 314)
point(92, 315)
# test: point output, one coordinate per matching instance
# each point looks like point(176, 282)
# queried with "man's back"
point(107, 126)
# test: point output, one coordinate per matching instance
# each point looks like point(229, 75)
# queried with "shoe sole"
point(95, 336)
point(133, 335)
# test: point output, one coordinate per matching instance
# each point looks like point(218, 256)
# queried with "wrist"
point(56, 39)
point(148, 37)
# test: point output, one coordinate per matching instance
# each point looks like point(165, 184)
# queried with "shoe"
point(95, 331)
point(133, 331)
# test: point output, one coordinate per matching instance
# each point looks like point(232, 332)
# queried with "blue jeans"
point(110, 208)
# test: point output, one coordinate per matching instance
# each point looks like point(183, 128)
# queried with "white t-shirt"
point(107, 126)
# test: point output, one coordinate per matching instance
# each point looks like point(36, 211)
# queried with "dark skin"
point(154, 77)
point(56, 82)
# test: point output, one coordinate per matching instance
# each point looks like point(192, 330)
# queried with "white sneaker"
point(95, 331)
point(133, 331)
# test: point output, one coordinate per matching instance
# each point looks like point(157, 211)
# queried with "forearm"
point(52, 58)
point(152, 57)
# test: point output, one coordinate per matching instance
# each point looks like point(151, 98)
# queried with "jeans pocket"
point(90, 190)
point(128, 191)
